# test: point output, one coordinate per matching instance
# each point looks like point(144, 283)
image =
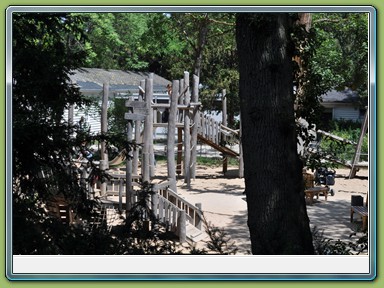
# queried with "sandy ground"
point(224, 205)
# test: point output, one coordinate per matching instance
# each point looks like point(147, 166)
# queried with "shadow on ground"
point(333, 219)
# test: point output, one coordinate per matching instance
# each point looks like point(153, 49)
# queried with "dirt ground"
point(224, 204)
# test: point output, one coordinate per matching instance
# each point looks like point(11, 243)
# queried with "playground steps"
point(220, 148)
point(194, 234)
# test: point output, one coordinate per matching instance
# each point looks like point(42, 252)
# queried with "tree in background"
point(114, 40)
point(331, 52)
point(203, 43)
point(167, 44)
point(277, 217)
point(341, 56)
point(334, 51)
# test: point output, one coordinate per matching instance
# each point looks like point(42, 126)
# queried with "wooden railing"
point(214, 130)
point(193, 212)
point(168, 207)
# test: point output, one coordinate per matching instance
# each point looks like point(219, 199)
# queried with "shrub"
point(327, 246)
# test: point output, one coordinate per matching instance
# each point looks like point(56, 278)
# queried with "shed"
point(343, 104)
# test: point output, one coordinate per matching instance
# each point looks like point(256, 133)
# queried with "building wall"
point(92, 116)
point(346, 113)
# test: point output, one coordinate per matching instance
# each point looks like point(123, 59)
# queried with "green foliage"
point(334, 52)
point(329, 61)
point(307, 81)
point(220, 67)
point(114, 40)
point(202, 43)
point(163, 48)
point(46, 47)
point(340, 150)
point(347, 130)
point(341, 58)
point(220, 241)
point(167, 44)
point(327, 246)
point(116, 122)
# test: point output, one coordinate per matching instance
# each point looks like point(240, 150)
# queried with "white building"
point(121, 84)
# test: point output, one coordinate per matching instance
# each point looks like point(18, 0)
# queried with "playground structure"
point(185, 125)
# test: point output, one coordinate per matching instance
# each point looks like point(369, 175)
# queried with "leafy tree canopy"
point(341, 53)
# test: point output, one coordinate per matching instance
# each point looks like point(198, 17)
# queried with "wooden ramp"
point(225, 150)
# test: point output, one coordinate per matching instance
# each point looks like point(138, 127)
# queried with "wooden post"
point(135, 162)
point(179, 129)
point(155, 203)
point(152, 169)
point(225, 164)
point(224, 112)
point(199, 221)
point(224, 121)
point(195, 128)
point(356, 157)
point(171, 166)
point(203, 125)
point(128, 175)
point(212, 129)
point(148, 140)
point(187, 133)
point(70, 115)
point(216, 134)
point(181, 99)
point(179, 149)
point(85, 184)
point(104, 127)
point(181, 226)
point(104, 119)
point(148, 100)
point(241, 159)
point(121, 195)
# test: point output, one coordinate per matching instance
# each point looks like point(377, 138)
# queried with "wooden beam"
point(135, 104)
point(134, 117)
point(190, 106)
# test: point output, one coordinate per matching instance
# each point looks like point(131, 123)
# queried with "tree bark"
point(277, 216)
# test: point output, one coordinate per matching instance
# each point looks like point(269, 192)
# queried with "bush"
point(345, 152)
point(327, 246)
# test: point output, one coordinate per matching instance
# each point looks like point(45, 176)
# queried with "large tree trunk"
point(277, 217)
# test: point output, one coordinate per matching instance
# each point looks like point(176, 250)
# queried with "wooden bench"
point(363, 212)
point(310, 193)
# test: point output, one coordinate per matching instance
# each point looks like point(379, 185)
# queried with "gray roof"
point(92, 80)
point(345, 96)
